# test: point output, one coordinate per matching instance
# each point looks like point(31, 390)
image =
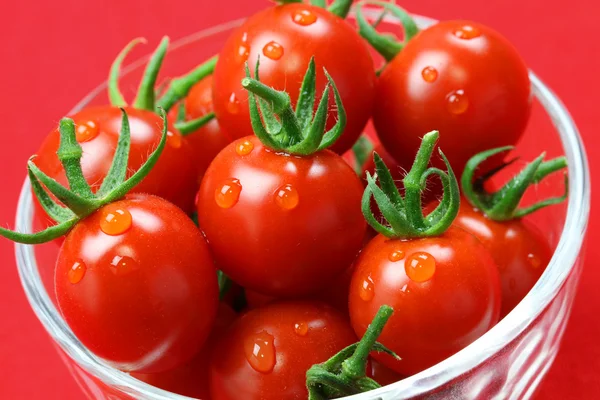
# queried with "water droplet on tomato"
point(534, 260)
point(367, 289)
point(396, 255)
point(304, 17)
point(86, 131)
point(115, 220)
point(244, 147)
point(429, 74)
point(244, 37)
point(243, 52)
point(121, 265)
point(233, 104)
point(287, 197)
point(260, 352)
point(301, 328)
point(228, 193)
point(457, 102)
point(467, 32)
point(76, 272)
point(420, 266)
point(174, 139)
point(273, 50)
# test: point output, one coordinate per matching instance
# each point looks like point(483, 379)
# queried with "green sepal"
point(144, 99)
point(362, 149)
point(44, 236)
point(53, 209)
point(386, 45)
point(114, 93)
point(189, 127)
point(503, 205)
point(224, 284)
point(316, 3)
point(341, 8)
point(118, 169)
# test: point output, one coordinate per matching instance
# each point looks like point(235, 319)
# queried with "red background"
point(55, 52)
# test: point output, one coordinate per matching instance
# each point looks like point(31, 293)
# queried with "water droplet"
point(467, 32)
point(86, 131)
point(534, 260)
point(301, 328)
point(244, 147)
point(244, 37)
point(367, 289)
point(304, 17)
point(77, 272)
point(396, 255)
point(115, 221)
point(420, 266)
point(273, 50)
point(457, 102)
point(174, 139)
point(121, 265)
point(429, 74)
point(233, 105)
point(287, 197)
point(260, 352)
point(228, 194)
point(243, 52)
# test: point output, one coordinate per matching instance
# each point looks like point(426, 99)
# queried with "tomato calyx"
point(344, 374)
point(361, 151)
point(298, 132)
point(79, 201)
point(385, 44)
point(404, 215)
point(503, 205)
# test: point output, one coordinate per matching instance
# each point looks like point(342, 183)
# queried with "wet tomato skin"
point(301, 334)
point(435, 317)
point(285, 39)
point(475, 90)
point(281, 225)
point(143, 298)
point(519, 249)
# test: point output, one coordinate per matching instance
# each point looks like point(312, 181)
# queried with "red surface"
point(55, 52)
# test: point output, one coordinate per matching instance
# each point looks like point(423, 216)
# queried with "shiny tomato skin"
point(148, 297)
point(435, 318)
point(491, 111)
point(172, 178)
point(192, 378)
point(334, 44)
point(274, 250)
point(519, 249)
point(232, 376)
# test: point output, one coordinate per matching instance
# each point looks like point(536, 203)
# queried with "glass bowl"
point(508, 362)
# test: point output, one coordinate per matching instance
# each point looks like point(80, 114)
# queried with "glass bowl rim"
point(566, 253)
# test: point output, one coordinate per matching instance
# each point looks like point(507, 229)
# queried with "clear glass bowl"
point(508, 362)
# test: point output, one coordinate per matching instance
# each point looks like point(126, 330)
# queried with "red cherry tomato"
point(192, 378)
point(266, 353)
point(136, 283)
point(461, 78)
point(285, 38)
point(445, 292)
point(173, 176)
point(209, 140)
point(519, 250)
point(281, 225)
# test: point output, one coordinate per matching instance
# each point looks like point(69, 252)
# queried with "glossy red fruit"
point(281, 225)
point(285, 37)
point(136, 284)
point(267, 351)
point(445, 292)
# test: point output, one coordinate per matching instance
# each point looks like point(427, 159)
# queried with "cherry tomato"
point(209, 140)
point(285, 38)
point(458, 77)
point(172, 178)
point(382, 374)
point(267, 351)
point(445, 292)
point(136, 284)
point(192, 378)
point(518, 248)
point(281, 225)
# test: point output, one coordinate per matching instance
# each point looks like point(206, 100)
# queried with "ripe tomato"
point(382, 374)
point(285, 37)
point(445, 292)
point(519, 250)
point(136, 283)
point(266, 353)
point(192, 378)
point(281, 225)
point(209, 140)
point(172, 178)
point(458, 77)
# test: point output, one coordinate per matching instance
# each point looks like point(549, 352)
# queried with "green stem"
point(341, 8)
point(118, 169)
point(114, 94)
point(145, 96)
point(362, 149)
point(189, 127)
point(316, 3)
point(69, 154)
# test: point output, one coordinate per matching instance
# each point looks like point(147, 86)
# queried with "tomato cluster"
point(217, 243)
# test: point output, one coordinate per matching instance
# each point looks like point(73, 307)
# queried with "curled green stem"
point(145, 96)
point(114, 93)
